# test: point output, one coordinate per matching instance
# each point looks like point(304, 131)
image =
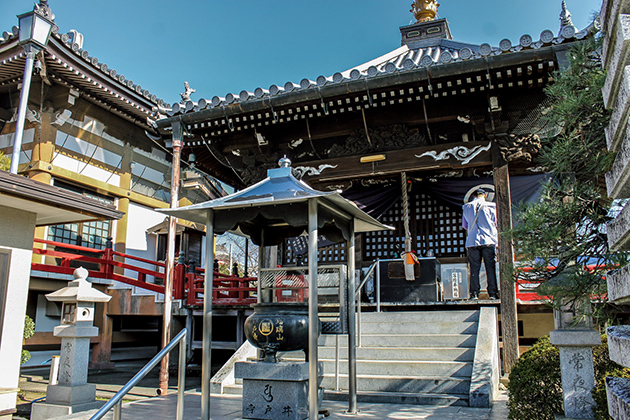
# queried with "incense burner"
point(277, 327)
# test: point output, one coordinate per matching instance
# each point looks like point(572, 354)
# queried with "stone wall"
point(615, 18)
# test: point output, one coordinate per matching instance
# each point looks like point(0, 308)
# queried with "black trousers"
point(475, 255)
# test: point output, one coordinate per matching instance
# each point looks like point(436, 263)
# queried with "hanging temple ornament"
point(424, 10)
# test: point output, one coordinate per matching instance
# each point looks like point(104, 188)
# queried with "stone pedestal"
point(275, 390)
point(576, 367)
point(72, 393)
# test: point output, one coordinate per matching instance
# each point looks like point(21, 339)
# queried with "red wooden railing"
point(526, 288)
point(188, 281)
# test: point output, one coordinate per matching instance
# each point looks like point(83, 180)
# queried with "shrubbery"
point(29, 330)
point(535, 383)
point(536, 386)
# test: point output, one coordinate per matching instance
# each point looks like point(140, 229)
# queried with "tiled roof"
point(425, 54)
point(85, 71)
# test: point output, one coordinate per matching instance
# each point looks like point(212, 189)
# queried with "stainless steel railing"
point(116, 401)
point(372, 271)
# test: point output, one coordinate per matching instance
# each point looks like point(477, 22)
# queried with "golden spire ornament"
point(424, 10)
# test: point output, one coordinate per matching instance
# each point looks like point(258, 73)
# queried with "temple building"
point(89, 130)
point(408, 136)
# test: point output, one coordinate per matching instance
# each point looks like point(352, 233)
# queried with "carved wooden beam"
point(446, 156)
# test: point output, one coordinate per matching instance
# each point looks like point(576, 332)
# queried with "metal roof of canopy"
point(278, 205)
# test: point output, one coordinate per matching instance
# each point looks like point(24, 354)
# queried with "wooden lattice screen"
point(435, 225)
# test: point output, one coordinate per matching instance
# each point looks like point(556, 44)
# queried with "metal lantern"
point(34, 28)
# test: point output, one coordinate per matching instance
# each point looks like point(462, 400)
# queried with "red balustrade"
point(526, 287)
point(108, 264)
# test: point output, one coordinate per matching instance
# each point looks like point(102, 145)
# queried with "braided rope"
point(405, 210)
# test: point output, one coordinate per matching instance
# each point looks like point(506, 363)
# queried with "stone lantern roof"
point(79, 290)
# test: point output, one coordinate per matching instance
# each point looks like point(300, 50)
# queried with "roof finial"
point(424, 10)
point(565, 18)
point(285, 162)
point(188, 91)
point(44, 9)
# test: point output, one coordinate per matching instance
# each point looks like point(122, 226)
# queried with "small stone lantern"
point(72, 392)
point(575, 336)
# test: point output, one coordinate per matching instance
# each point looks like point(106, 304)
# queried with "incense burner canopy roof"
point(277, 208)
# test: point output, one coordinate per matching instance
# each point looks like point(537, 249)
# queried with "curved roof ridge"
point(428, 53)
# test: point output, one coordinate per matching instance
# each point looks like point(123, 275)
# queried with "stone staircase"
point(410, 357)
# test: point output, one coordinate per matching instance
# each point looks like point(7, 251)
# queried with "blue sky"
point(222, 46)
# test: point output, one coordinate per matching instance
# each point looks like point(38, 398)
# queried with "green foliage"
point(29, 330)
point(5, 162)
point(535, 384)
point(568, 223)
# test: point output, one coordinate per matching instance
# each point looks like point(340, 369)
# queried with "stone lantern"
point(575, 336)
point(72, 392)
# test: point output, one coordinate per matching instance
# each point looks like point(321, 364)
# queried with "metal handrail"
point(357, 295)
point(116, 401)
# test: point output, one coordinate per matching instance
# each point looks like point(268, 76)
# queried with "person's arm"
point(464, 221)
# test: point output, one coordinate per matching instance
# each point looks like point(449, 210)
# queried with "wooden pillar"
point(43, 151)
point(120, 234)
point(43, 148)
point(505, 252)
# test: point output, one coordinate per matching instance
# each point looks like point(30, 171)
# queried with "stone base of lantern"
point(64, 400)
point(276, 390)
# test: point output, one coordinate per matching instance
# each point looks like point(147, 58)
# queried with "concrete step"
point(424, 316)
point(406, 383)
point(397, 368)
point(411, 327)
point(412, 396)
point(234, 389)
point(402, 398)
point(405, 340)
point(377, 383)
point(458, 354)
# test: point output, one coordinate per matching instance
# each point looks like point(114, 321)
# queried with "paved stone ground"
point(227, 407)
point(144, 404)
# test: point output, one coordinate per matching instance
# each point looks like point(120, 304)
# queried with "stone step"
point(411, 327)
point(405, 340)
point(375, 383)
point(407, 383)
point(458, 354)
point(398, 368)
point(233, 389)
point(419, 316)
point(385, 368)
point(402, 398)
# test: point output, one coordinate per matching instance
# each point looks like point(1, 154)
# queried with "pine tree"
point(565, 231)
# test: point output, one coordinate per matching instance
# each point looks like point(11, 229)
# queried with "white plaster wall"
point(18, 229)
point(139, 242)
point(94, 153)
point(6, 140)
point(44, 323)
